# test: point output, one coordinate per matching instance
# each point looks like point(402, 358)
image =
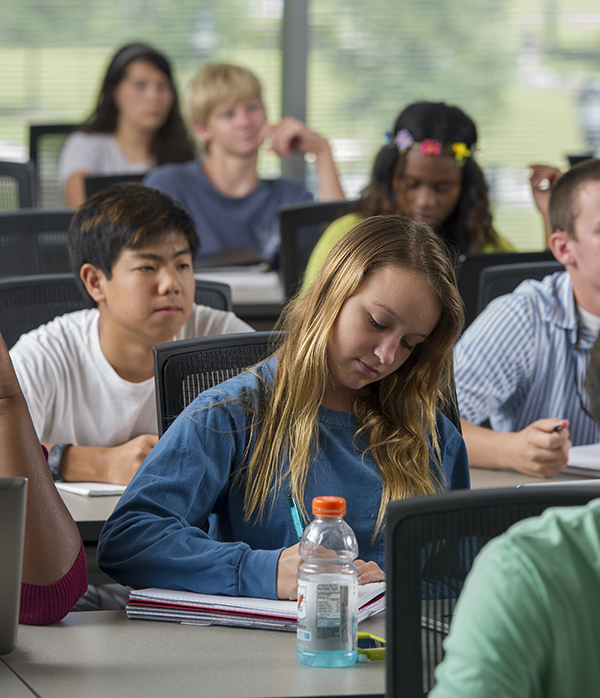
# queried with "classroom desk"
point(101, 653)
point(257, 296)
point(89, 513)
point(490, 479)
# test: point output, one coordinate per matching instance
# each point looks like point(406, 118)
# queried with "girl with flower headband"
point(426, 171)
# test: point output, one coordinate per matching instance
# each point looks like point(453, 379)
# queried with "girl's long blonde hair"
point(397, 415)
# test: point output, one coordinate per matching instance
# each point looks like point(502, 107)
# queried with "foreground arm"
point(497, 372)
point(53, 552)
point(291, 135)
point(156, 536)
point(536, 450)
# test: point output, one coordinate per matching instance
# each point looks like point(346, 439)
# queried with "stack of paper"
point(203, 609)
point(91, 489)
point(584, 460)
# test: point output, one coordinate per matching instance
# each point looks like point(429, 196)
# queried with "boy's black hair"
point(128, 215)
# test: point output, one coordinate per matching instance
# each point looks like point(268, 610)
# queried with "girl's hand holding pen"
point(287, 573)
point(367, 571)
point(290, 560)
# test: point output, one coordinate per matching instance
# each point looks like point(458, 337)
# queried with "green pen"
point(295, 514)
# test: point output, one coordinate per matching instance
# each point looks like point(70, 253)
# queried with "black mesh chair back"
point(26, 302)
point(45, 143)
point(469, 268)
point(18, 187)
point(97, 183)
point(182, 370)
point(504, 278)
point(430, 545)
point(34, 241)
point(214, 294)
point(301, 226)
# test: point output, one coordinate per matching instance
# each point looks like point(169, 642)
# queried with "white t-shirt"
point(592, 322)
point(97, 153)
point(75, 396)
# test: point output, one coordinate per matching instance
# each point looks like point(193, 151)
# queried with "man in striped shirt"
point(522, 363)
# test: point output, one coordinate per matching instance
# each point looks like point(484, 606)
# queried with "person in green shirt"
point(527, 623)
point(426, 171)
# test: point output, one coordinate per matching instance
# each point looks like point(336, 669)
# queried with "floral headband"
point(404, 141)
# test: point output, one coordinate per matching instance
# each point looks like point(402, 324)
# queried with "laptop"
point(13, 501)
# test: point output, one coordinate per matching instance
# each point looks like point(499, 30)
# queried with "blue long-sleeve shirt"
point(155, 536)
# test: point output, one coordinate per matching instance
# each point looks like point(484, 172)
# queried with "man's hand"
point(123, 461)
point(291, 135)
point(116, 464)
point(539, 450)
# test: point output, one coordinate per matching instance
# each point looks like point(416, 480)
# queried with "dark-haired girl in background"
point(136, 124)
point(427, 172)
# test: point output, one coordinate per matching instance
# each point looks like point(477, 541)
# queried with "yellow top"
point(336, 231)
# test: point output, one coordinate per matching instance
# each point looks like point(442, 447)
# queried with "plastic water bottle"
point(327, 588)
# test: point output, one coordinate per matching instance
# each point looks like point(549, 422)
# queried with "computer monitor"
point(13, 502)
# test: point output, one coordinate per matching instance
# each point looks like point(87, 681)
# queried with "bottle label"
point(327, 615)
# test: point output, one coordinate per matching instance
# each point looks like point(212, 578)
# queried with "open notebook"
point(584, 460)
point(203, 609)
point(91, 489)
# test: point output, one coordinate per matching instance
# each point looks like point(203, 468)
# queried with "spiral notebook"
point(91, 489)
point(584, 460)
point(189, 608)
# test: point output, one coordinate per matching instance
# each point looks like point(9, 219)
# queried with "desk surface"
point(482, 479)
point(257, 296)
point(11, 685)
point(102, 653)
point(90, 513)
point(249, 286)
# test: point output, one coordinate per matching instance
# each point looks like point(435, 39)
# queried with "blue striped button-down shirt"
point(522, 360)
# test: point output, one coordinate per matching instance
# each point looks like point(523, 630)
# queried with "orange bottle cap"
point(330, 506)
